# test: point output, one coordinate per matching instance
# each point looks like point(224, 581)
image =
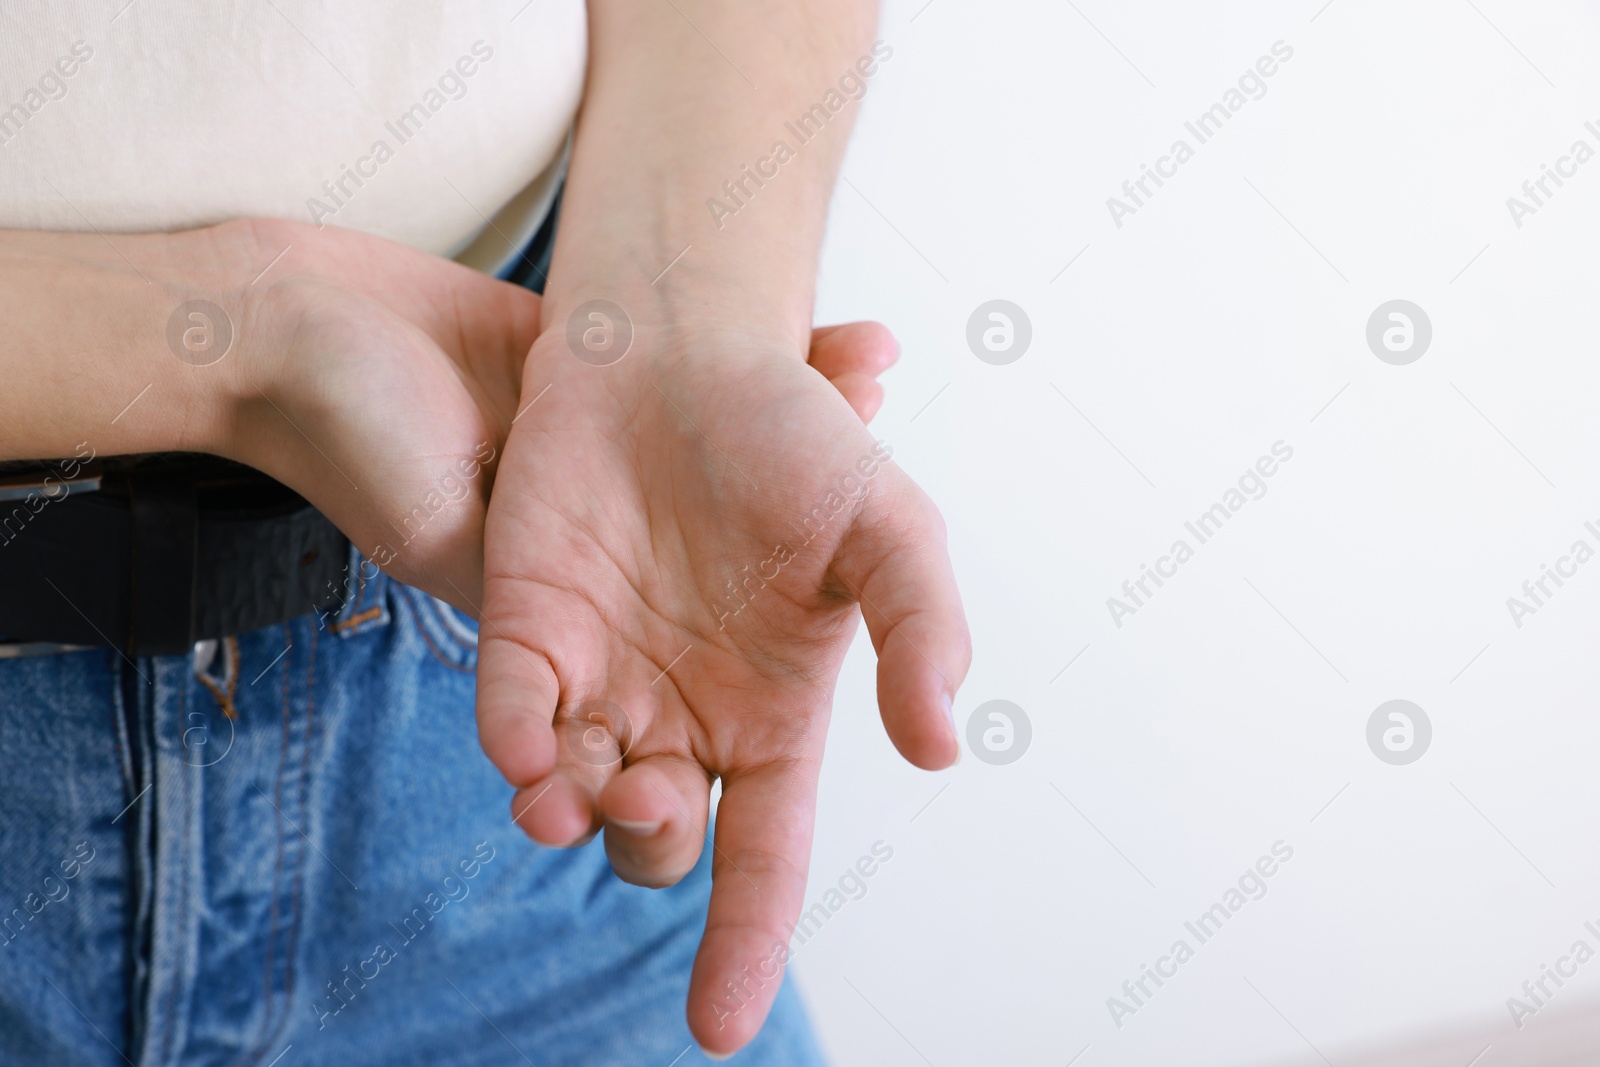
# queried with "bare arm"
point(691, 102)
point(85, 335)
point(360, 373)
point(690, 581)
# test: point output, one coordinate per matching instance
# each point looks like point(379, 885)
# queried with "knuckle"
point(755, 862)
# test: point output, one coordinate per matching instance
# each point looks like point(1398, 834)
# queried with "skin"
point(695, 455)
point(624, 497)
point(364, 371)
point(596, 583)
point(361, 374)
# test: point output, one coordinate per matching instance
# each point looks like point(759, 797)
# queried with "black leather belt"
point(152, 554)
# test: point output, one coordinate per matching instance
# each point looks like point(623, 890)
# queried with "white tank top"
point(440, 124)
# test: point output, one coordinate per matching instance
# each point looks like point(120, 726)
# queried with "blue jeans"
point(297, 850)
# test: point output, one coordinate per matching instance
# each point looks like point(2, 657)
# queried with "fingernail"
point(950, 713)
point(643, 829)
point(715, 1057)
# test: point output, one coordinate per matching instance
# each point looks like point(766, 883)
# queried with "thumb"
point(894, 561)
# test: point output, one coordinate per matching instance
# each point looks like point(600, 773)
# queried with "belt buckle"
point(29, 649)
point(21, 486)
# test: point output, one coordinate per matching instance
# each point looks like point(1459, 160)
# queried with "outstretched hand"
point(675, 553)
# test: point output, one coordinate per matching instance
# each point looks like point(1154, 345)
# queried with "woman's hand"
point(382, 384)
point(675, 551)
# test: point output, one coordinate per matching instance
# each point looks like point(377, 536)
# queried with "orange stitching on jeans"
point(357, 620)
point(224, 698)
point(417, 608)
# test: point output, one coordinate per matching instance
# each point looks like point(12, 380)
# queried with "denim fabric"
point(328, 875)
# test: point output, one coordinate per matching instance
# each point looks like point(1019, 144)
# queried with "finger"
point(517, 694)
point(592, 738)
point(655, 814)
point(862, 392)
point(557, 746)
point(895, 562)
point(559, 811)
point(855, 347)
point(763, 846)
point(555, 802)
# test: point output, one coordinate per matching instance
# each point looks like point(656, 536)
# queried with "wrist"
point(101, 347)
point(229, 296)
point(670, 271)
point(641, 337)
point(221, 336)
point(676, 314)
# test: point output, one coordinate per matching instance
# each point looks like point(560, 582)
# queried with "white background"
point(1210, 725)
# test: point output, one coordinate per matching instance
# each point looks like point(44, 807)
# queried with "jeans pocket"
point(451, 637)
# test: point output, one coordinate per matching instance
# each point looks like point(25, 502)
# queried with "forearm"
point(676, 148)
point(84, 355)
